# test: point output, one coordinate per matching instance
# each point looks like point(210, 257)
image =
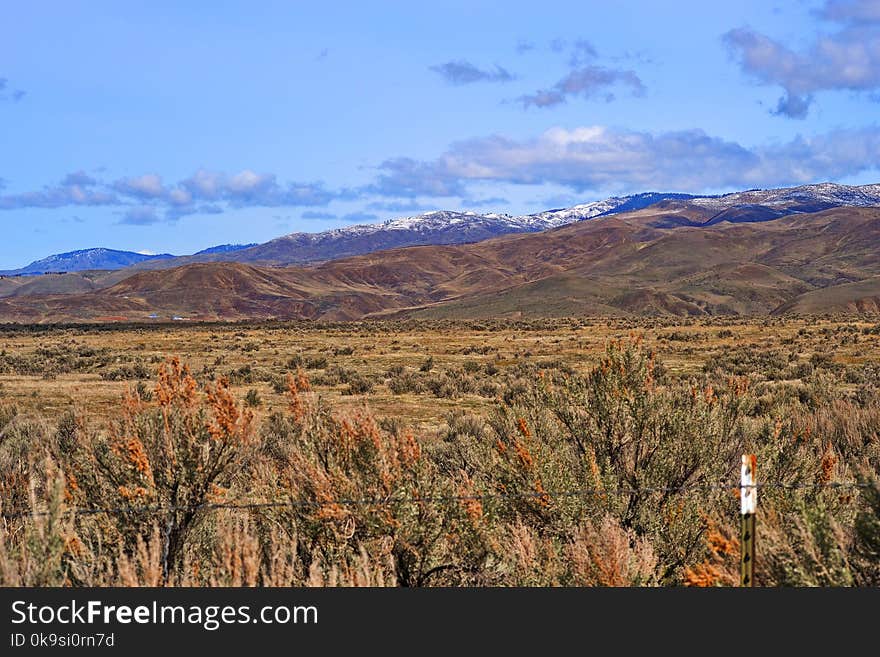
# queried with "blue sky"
point(171, 127)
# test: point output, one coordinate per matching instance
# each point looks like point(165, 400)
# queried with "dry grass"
point(408, 411)
point(371, 350)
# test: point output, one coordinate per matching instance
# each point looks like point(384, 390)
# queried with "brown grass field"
point(55, 377)
point(482, 453)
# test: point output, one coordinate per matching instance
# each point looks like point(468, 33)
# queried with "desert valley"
point(514, 296)
point(550, 389)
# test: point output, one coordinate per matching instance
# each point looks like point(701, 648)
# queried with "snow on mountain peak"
point(426, 227)
point(459, 226)
point(829, 193)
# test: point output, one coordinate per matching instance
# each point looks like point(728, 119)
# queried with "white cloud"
point(611, 160)
point(848, 59)
point(593, 158)
point(852, 11)
point(147, 186)
point(179, 196)
point(586, 82)
point(463, 72)
point(248, 182)
point(204, 184)
point(144, 215)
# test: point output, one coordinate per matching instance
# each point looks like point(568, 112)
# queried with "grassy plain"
point(419, 453)
point(46, 370)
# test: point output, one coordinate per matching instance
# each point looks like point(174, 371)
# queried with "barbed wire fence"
point(439, 499)
point(747, 489)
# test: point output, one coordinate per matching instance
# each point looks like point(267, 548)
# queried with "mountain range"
point(101, 259)
point(438, 227)
point(449, 227)
point(806, 249)
point(84, 260)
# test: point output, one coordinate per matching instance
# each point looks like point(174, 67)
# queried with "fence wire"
point(439, 499)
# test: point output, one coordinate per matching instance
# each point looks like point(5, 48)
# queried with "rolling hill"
point(437, 227)
point(448, 227)
point(667, 259)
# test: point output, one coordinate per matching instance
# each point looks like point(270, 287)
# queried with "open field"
point(385, 365)
point(475, 453)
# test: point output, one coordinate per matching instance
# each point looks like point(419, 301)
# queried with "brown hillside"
point(643, 262)
point(854, 298)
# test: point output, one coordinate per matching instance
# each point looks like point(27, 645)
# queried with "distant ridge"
point(225, 248)
point(452, 227)
point(673, 258)
point(84, 260)
point(437, 227)
point(446, 227)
